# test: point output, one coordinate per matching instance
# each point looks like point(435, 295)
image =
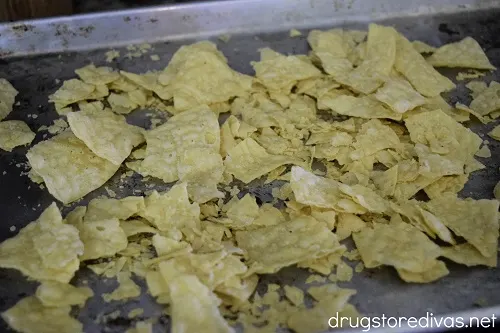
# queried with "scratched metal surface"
point(380, 291)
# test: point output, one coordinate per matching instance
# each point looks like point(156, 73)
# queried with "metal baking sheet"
point(33, 54)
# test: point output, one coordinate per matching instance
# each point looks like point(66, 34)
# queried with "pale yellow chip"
point(363, 107)
point(488, 100)
point(484, 152)
point(29, 315)
point(495, 133)
point(186, 147)
point(122, 103)
point(295, 33)
point(386, 181)
point(373, 137)
point(433, 273)
point(72, 91)
point(466, 254)
point(451, 184)
point(188, 293)
point(57, 294)
point(462, 107)
point(136, 227)
point(97, 75)
point(171, 210)
point(281, 73)
point(106, 134)
point(316, 319)
point(166, 246)
point(248, 161)
point(400, 245)
point(424, 78)
point(294, 295)
point(69, 169)
point(107, 208)
point(348, 224)
point(466, 53)
point(14, 133)
point(474, 220)
point(271, 248)
point(422, 47)
point(446, 138)
point(127, 289)
point(101, 238)
point(7, 98)
point(141, 326)
point(243, 212)
point(203, 78)
point(45, 249)
point(399, 95)
point(476, 87)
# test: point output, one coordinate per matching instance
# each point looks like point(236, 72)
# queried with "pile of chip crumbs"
point(352, 132)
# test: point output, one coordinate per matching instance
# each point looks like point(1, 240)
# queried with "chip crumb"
point(359, 267)
point(313, 278)
point(295, 33)
point(484, 152)
point(12, 228)
point(224, 38)
point(344, 272)
point(154, 57)
point(135, 313)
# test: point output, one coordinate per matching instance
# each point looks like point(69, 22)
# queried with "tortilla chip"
point(364, 107)
point(57, 294)
point(399, 95)
point(69, 169)
point(423, 77)
point(72, 91)
point(466, 53)
point(488, 100)
point(97, 75)
point(126, 289)
point(373, 137)
point(171, 209)
point(468, 255)
point(187, 293)
point(248, 161)
point(7, 98)
point(400, 245)
point(495, 133)
point(271, 248)
point(447, 184)
point(29, 315)
point(477, 87)
point(474, 220)
point(107, 208)
point(348, 224)
point(45, 249)
point(422, 47)
point(106, 134)
point(433, 273)
point(281, 73)
point(14, 133)
point(386, 181)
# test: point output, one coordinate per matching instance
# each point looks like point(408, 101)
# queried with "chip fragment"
point(7, 97)
point(45, 249)
point(466, 53)
point(106, 134)
point(14, 133)
point(69, 169)
point(57, 294)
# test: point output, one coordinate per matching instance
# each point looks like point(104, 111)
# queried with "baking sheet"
point(380, 291)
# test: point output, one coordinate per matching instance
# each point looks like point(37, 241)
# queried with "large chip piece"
point(399, 95)
point(108, 135)
point(53, 293)
point(399, 244)
point(466, 53)
point(449, 142)
point(7, 98)
point(187, 293)
point(69, 169)
point(29, 315)
point(202, 77)
point(362, 107)
point(248, 160)
point(14, 133)
point(418, 71)
point(97, 75)
point(474, 220)
point(46, 249)
point(72, 91)
point(487, 100)
point(187, 147)
point(171, 210)
point(271, 248)
point(280, 73)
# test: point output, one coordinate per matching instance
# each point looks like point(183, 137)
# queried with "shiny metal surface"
point(58, 46)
